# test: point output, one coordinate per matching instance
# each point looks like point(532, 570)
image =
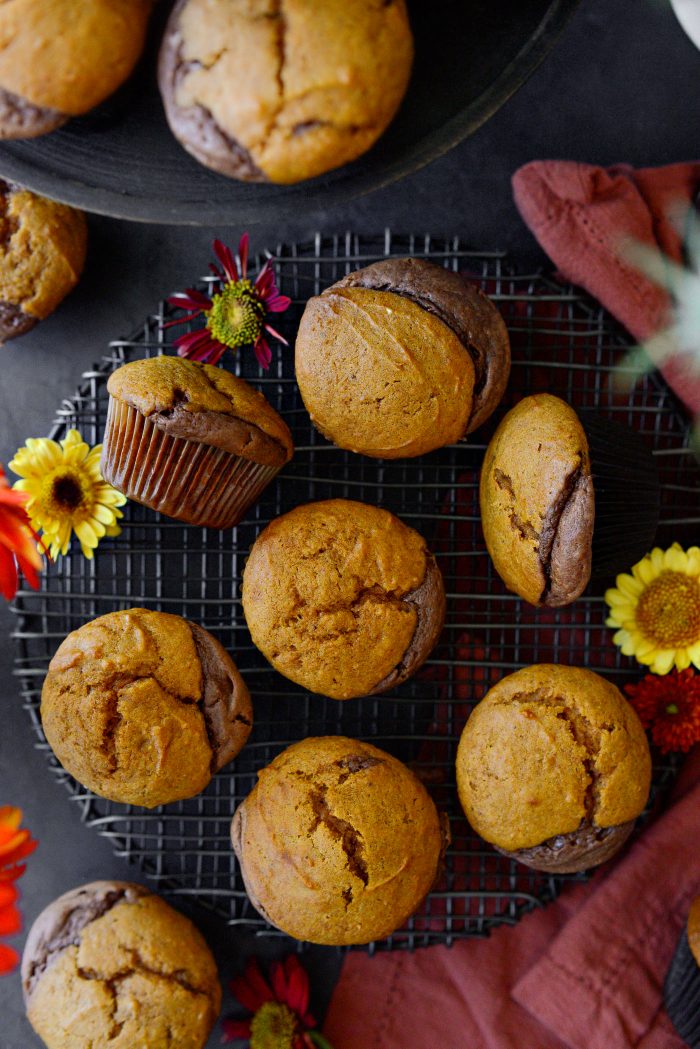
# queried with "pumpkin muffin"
point(343, 598)
point(42, 254)
point(111, 966)
point(191, 441)
point(553, 768)
point(282, 90)
point(59, 58)
point(143, 707)
point(401, 358)
point(338, 842)
point(682, 985)
point(537, 501)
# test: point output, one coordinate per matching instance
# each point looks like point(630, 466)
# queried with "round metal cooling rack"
point(562, 342)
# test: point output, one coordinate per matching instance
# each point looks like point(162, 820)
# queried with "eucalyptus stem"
point(318, 1040)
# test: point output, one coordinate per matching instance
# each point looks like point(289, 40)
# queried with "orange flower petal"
point(10, 921)
point(10, 816)
point(9, 959)
point(9, 894)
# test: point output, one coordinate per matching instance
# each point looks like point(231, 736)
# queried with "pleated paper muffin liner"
point(682, 993)
point(627, 495)
point(184, 479)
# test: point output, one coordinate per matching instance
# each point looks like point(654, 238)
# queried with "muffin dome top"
point(142, 707)
point(400, 358)
point(296, 87)
point(342, 597)
point(205, 404)
point(537, 501)
point(548, 748)
point(69, 56)
point(338, 841)
point(111, 964)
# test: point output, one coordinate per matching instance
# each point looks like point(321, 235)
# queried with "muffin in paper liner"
point(682, 985)
point(191, 441)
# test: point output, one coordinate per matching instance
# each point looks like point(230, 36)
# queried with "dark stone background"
point(622, 85)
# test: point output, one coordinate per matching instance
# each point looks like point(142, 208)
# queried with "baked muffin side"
point(110, 964)
point(537, 501)
point(553, 767)
point(42, 254)
point(343, 598)
point(338, 842)
point(283, 90)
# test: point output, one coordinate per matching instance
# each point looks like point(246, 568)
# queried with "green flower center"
point(668, 612)
point(236, 315)
point(672, 708)
point(274, 1026)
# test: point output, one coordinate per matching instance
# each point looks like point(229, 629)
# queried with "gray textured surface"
point(618, 88)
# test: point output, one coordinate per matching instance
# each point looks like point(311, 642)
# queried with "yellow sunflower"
point(657, 609)
point(67, 492)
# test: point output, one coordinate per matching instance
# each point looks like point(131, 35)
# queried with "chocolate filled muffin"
point(282, 90)
point(682, 985)
point(343, 598)
point(338, 842)
point(42, 254)
point(59, 58)
point(537, 501)
point(143, 707)
point(401, 358)
point(191, 441)
point(553, 768)
point(111, 965)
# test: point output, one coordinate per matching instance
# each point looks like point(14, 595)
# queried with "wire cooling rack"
point(562, 342)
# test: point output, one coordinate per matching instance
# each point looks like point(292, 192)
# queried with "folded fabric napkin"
point(585, 972)
point(583, 215)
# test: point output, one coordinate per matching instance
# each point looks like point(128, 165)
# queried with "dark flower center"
point(67, 492)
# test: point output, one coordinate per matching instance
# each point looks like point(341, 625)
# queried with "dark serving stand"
point(562, 342)
point(122, 160)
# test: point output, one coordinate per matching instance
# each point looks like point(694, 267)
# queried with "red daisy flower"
point(280, 1008)
point(15, 845)
point(235, 314)
point(670, 707)
point(17, 541)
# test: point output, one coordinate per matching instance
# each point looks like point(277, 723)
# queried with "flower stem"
point(318, 1040)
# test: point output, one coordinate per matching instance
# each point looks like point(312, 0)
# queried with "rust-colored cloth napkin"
point(582, 216)
point(585, 972)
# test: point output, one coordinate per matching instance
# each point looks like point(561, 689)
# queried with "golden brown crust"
point(380, 375)
point(694, 929)
point(548, 749)
point(343, 598)
point(86, 50)
point(42, 251)
point(537, 501)
point(204, 404)
point(338, 842)
point(283, 90)
point(463, 307)
point(114, 967)
point(142, 706)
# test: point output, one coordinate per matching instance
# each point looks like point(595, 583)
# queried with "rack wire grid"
point(562, 342)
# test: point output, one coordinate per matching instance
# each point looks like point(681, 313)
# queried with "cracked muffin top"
point(87, 50)
point(338, 842)
point(143, 707)
point(111, 966)
point(343, 598)
point(204, 404)
point(401, 358)
point(537, 501)
point(282, 90)
point(548, 751)
point(42, 254)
